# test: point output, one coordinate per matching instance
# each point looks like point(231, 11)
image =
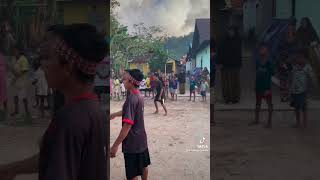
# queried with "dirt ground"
point(173, 141)
point(255, 153)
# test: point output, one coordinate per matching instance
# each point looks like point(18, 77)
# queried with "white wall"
point(188, 66)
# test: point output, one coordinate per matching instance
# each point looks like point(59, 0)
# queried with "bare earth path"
point(240, 152)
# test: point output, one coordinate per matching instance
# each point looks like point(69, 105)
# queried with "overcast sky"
point(176, 16)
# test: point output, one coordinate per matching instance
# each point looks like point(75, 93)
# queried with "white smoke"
point(177, 17)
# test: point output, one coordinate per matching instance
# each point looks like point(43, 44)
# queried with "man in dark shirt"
point(133, 135)
point(74, 147)
point(159, 94)
point(182, 82)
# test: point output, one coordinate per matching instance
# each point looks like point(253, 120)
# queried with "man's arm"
point(123, 134)
point(116, 114)
point(27, 166)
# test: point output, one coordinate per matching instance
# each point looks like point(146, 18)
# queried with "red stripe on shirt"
point(135, 91)
point(84, 96)
point(129, 121)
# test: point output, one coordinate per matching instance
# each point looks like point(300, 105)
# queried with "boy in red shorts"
point(264, 72)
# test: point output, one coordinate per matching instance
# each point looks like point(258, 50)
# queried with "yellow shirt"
point(148, 83)
point(21, 67)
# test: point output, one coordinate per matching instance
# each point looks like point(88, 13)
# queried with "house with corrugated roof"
point(199, 53)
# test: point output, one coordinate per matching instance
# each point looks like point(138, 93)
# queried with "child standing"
point(175, 87)
point(133, 135)
point(152, 85)
point(123, 90)
point(203, 90)
point(20, 81)
point(284, 71)
point(116, 88)
point(264, 72)
point(41, 87)
point(142, 86)
point(301, 74)
point(166, 85)
point(148, 86)
point(192, 88)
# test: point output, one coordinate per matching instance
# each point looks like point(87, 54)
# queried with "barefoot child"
point(175, 87)
point(116, 88)
point(133, 135)
point(123, 90)
point(264, 72)
point(148, 86)
point(193, 88)
point(41, 87)
point(203, 90)
point(301, 74)
point(21, 79)
point(160, 94)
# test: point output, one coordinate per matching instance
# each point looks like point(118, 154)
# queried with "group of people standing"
point(291, 66)
point(18, 73)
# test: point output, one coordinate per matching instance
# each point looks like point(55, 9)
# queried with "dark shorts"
point(267, 97)
point(157, 98)
point(135, 163)
point(203, 93)
point(299, 101)
point(192, 90)
point(102, 90)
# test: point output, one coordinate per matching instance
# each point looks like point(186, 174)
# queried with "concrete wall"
point(284, 8)
point(257, 14)
point(204, 55)
point(249, 15)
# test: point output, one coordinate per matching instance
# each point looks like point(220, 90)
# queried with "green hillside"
point(179, 46)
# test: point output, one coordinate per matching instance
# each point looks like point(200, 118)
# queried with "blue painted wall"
point(204, 54)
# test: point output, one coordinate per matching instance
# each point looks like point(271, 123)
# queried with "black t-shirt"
point(159, 86)
point(132, 113)
point(74, 145)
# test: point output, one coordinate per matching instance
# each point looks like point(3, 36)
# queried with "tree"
point(144, 40)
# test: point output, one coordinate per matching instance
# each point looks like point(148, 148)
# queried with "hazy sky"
point(176, 16)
